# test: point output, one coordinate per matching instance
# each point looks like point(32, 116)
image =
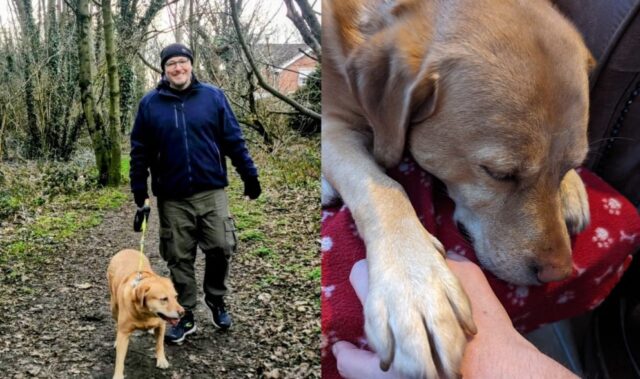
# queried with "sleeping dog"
point(489, 96)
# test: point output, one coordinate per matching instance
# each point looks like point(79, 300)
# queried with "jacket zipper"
point(186, 142)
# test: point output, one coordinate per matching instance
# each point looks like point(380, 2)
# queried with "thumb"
point(354, 363)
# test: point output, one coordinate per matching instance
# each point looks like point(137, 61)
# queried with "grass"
point(277, 230)
point(46, 205)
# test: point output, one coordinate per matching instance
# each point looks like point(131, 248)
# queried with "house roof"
point(280, 55)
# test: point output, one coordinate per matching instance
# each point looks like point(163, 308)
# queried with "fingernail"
point(456, 257)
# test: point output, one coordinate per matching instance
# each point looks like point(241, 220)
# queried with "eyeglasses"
point(181, 62)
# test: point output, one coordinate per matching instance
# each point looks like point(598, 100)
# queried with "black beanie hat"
point(174, 50)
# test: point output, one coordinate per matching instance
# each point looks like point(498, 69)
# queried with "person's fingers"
point(359, 279)
point(355, 363)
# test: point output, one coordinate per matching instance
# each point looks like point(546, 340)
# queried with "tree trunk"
point(25, 14)
point(114, 94)
point(92, 115)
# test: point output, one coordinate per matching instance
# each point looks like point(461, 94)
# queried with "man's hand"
point(142, 213)
point(252, 187)
point(139, 197)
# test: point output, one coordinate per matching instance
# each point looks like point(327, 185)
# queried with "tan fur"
point(139, 306)
point(464, 85)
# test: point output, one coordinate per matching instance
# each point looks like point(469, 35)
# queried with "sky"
point(275, 10)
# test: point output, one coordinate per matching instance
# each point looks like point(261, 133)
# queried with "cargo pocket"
point(166, 243)
point(230, 234)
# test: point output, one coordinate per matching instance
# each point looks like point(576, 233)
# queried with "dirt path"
point(56, 323)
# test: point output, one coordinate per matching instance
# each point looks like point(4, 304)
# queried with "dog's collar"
point(137, 280)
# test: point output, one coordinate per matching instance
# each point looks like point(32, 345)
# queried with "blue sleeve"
point(233, 142)
point(139, 165)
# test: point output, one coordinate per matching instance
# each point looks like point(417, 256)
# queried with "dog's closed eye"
point(500, 176)
point(164, 299)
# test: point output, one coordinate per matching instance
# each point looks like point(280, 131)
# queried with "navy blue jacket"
point(184, 141)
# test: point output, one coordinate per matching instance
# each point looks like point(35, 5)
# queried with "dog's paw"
point(416, 312)
point(575, 204)
point(162, 363)
point(328, 195)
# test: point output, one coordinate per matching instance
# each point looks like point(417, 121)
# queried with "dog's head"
point(158, 296)
point(494, 104)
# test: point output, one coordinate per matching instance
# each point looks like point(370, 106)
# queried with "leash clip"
point(137, 280)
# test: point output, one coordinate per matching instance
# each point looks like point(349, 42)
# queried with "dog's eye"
point(165, 299)
point(501, 177)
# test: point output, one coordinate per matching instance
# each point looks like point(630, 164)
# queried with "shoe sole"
point(211, 316)
point(180, 340)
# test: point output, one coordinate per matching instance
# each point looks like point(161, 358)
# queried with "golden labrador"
point(143, 302)
point(491, 97)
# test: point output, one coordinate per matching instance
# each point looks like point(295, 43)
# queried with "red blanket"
point(601, 254)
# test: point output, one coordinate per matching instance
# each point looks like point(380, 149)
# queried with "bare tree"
point(263, 83)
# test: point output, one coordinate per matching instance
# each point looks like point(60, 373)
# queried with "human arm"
point(496, 351)
point(139, 163)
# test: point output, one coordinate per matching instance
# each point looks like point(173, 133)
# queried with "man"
point(183, 131)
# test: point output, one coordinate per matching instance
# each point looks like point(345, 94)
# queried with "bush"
point(310, 95)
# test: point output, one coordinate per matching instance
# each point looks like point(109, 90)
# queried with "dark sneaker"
point(219, 316)
point(186, 325)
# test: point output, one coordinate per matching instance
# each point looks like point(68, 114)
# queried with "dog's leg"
point(122, 344)
point(575, 204)
point(416, 312)
point(161, 359)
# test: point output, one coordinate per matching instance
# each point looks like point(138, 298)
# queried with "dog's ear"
point(392, 96)
point(140, 293)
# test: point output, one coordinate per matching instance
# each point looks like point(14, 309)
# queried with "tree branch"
point(151, 66)
point(236, 24)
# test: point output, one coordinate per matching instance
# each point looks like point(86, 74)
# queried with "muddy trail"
point(55, 320)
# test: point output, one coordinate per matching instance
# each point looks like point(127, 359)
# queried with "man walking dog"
point(182, 133)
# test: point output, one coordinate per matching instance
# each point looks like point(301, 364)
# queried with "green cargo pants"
point(199, 220)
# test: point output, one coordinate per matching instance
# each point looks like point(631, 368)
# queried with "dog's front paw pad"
point(162, 363)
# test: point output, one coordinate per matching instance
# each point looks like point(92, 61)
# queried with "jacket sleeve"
point(139, 165)
point(233, 142)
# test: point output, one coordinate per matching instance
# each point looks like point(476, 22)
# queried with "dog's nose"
point(181, 312)
point(551, 272)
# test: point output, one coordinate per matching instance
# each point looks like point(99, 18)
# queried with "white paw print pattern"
point(565, 297)
point(326, 215)
point(406, 167)
point(354, 229)
point(519, 295)
point(425, 179)
point(601, 238)
point(612, 205)
point(457, 249)
point(326, 243)
point(327, 291)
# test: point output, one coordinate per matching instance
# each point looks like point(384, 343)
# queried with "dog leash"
point(141, 260)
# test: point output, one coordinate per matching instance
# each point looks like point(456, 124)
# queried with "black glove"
point(139, 197)
point(252, 187)
point(141, 214)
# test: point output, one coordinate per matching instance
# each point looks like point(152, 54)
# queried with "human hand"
point(139, 197)
point(252, 187)
point(496, 351)
point(142, 213)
